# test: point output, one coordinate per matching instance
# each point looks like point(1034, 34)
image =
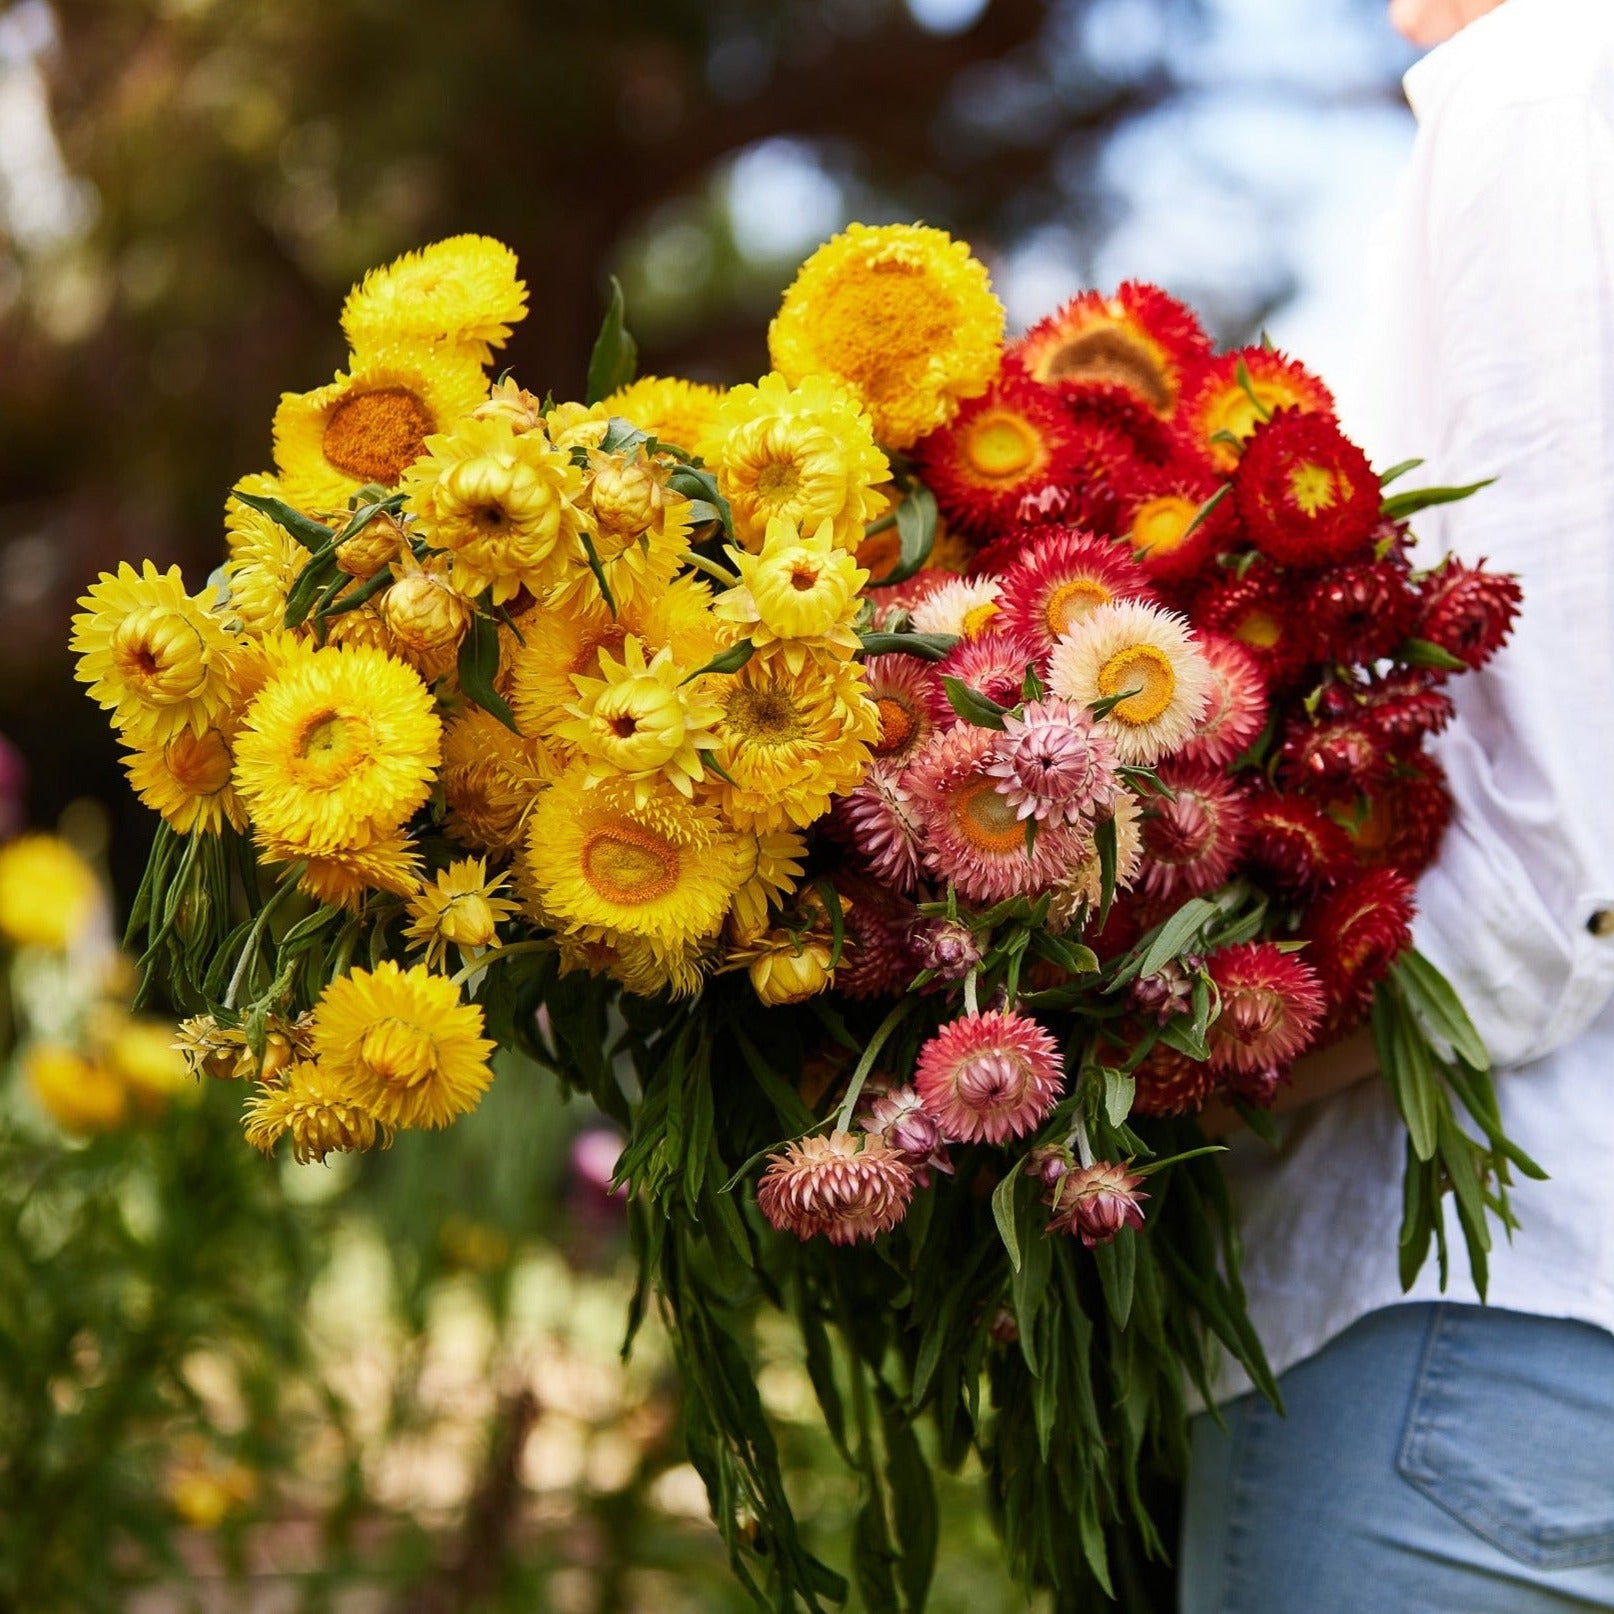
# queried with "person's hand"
point(1432, 22)
point(1318, 1076)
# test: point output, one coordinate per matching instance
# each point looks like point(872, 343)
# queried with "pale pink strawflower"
point(1053, 763)
point(877, 818)
point(910, 1129)
point(1272, 1003)
point(1236, 707)
point(848, 1186)
point(1095, 1202)
point(946, 947)
point(989, 1077)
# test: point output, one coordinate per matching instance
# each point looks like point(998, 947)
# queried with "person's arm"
point(1315, 1077)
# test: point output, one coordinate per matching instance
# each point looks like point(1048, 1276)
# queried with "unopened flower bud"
point(468, 921)
point(793, 969)
point(426, 619)
point(1095, 1202)
point(524, 411)
point(626, 493)
point(948, 948)
point(909, 1129)
point(1169, 991)
point(373, 546)
point(1048, 1162)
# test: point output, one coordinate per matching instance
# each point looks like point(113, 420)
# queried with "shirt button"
point(1601, 922)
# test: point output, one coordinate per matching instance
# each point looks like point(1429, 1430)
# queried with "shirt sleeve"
point(1519, 298)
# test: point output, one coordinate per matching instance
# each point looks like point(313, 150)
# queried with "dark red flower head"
point(1293, 843)
point(1333, 757)
point(1220, 413)
point(1258, 610)
point(1356, 932)
point(1360, 613)
point(1170, 1083)
point(1399, 823)
point(1405, 706)
point(1468, 611)
point(1306, 494)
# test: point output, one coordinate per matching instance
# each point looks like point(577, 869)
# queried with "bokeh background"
point(415, 1404)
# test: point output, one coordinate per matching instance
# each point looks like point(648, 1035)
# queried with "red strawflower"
point(1294, 844)
point(1399, 823)
point(1014, 441)
point(1307, 496)
point(1060, 577)
point(993, 663)
point(1237, 709)
point(1356, 932)
point(1170, 1083)
point(1332, 757)
point(1159, 517)
point(1361, 613)
point(1271, 1005)
point(1220, 407)
point(878, 958)
point(1405, 706)
point(1258, 610)
point(1110, 411)
point(1095, 1202)
point(1140, 342)
point(1468, 611)
point(989, 1077)
point(1191, 839)
point(909, 698)
point(848, 1186)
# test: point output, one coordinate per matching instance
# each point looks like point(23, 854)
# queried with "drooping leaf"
point(1398, 506)
point(615, 357)
point(312, 535)
point(927, 646)
point(478, 665)
point(979, 710)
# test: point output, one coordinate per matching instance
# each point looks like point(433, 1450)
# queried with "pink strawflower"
point(1048, 1162)
point(1059, 578)
point(879, 958)
point(947, 947)
point(908, 696)
point(1237, 709)
point(971, 835)
point(1169, 991)
point(993, 664)
point(1095, 1202)
point(848, 1186)
point(1271, 1005)
point(878, 821)
point(910, 1129)
point(1191, 838)
point(1055, 764)
point(989, 1077)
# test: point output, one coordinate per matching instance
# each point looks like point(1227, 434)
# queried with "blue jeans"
point(1436, 1459)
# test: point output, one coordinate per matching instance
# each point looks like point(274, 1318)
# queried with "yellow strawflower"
point(903, 314)
point(670, 409)
point(264, 562)
point(426, 617)
point(142, 1055)
point(462, 291)
point(792, 740)
point(510, 402)
point(49, 896)
point(786, 966)
point(154, 656)
point(665, 869)
point(491, 778)
point(642, 721)
point(372, 424)
point(806, 453)
point(500, 504)
point(403, 1045)
point(316, 1109)
point(779, 857)
point(577, 425)
point(337, 749)
point(562, 645)
point(189, 781)
point(345, 876)
point(80, 1095)
point(460, 908)
point(798, 595)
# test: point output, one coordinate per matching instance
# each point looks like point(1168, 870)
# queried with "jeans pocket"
point(1511, 1431)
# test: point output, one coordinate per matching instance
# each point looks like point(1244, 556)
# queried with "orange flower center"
point(763, 716)
point(629, 865)
point(897, 726)
point(1001, 446)
point(1146, 669)
point(375, 436)
point(1114, 355)
point(1259, 628)
point(332, 744)
point(986, 820)
point(1161, 525)
point(1071, 601)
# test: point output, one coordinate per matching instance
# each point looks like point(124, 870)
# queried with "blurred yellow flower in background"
point(49, 895)
point(80, 1095)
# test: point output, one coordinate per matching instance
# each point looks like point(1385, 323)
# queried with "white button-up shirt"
point(1490, 352)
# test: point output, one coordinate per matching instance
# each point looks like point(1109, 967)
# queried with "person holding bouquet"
point(1434, 1453)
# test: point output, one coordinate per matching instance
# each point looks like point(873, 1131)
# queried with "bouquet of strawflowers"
point(901, 793)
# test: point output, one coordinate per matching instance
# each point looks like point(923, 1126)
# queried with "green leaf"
point(1003, 1215)
point(975, 708)
point(1030, 1283)
point(927, 646)
point(622, 437)
point(314, 578)
point(312, 535)
point(1119, 1091)
point(478, 663)
point(1103, 707)
point(699, 486)
point(726, 661)
point(1117, 1263)
point(1408, 1065)
point(1421, 653)
point(1173, 937)
point(598, 570)
point(1457, 1159)
point(1204, 512)
point(1399, 469)
point(616, 354)
point(872, 1556)
point(1401, 505)
point(913, 1504)
point(1435, 1002)
point(831, 898)
point(916, 528)
point(1105, 843)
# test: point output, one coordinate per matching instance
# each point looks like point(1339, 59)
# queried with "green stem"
point(712, 569)
point(843, 1121)
point(249, 951)
point(494, 954)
